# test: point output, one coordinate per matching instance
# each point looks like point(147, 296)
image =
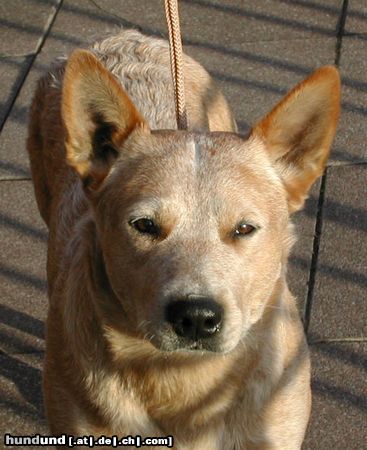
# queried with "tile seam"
point(321, 200)
point(41, 41)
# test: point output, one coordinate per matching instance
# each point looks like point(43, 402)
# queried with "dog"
point(169, 310)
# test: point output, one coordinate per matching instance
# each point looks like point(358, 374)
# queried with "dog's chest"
point(125, 414)
point(195, 425)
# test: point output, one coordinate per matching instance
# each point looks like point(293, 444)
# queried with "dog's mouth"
point(196, 346)
point(170, 342)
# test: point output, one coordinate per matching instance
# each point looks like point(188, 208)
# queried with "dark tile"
point(23, 24)
point(264, 19)
point(208, 22)
point(339, 307)
point(22, 269)
point(339, 410)
point(78, 24)
point(12, 74)
point(13, 156)
point(357, 17)
point(256, 77)
point(21, 409)
point(350, 143)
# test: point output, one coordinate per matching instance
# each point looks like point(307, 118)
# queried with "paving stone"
point(78, 24)
point(13, 156)
point(256, 77)
point(205, 22)
point(339, 308)
point(350, 143)
point(339, 410)
point(12, 73)
point(22, 269)
point(21, 410)
point(23, 24)
point(357, 17)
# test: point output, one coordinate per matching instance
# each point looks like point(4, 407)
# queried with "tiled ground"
point(256, 50)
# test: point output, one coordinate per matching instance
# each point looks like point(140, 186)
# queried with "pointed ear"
point(299, 131)
point(98, 116)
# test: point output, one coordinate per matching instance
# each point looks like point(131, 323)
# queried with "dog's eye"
point(244, 229)
point(145, 226)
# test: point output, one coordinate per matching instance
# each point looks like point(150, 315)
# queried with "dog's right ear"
point(98, 116)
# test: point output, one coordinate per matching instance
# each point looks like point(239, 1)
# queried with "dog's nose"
point(195, 318)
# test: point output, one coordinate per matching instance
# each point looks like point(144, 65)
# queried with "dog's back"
point(142, 66)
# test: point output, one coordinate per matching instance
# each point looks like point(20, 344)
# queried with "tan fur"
point(113, 365)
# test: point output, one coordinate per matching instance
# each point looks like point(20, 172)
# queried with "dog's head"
point(194, 227)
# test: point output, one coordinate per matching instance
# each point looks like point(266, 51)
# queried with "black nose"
point(195, 318)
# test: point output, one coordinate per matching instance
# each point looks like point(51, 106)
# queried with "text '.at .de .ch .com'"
point(88, 441)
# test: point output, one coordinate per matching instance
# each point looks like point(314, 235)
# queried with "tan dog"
point(169, 309)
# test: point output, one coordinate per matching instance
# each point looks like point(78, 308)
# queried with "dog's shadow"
point(28, 382)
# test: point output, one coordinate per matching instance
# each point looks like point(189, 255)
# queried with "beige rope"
point(175, 45)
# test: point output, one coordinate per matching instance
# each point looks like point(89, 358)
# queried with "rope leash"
point(175, 45)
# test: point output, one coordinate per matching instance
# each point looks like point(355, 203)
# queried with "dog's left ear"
point(299, 131)
point(98, 116)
